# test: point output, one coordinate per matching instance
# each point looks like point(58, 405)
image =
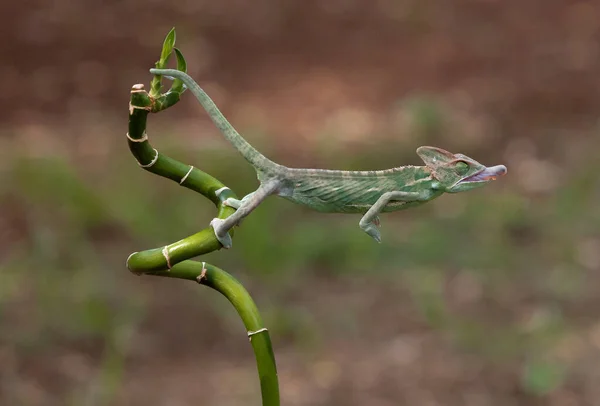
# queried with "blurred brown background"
point(483, 298)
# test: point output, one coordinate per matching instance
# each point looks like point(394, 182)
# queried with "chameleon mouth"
point(486, 175)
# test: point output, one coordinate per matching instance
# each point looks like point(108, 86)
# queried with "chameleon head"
point(457, 172)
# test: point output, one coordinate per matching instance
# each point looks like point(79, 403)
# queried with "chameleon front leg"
point(246, 206)
point(370, 221)
point(235, 203)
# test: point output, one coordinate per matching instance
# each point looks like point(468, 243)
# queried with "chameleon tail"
point(256, 159)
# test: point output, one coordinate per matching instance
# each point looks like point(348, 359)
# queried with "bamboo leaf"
point(167, 48)
point(182, 66)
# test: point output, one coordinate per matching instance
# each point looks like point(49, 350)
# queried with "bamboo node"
point(165, 252)
point(251, 333)
point(219, 191)
point(148, 165)
point(133, 107)
point(202, 275)
point(142, 139)
point(186, 175)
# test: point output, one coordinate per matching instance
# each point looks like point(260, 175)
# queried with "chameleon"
point(338, 191)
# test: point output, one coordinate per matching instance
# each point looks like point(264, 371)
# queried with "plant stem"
point(187, 176)
point(238, 296)
point(173, 260)
point(196, 180)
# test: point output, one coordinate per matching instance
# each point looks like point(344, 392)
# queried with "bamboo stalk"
point(173, 260)
point(215, 278)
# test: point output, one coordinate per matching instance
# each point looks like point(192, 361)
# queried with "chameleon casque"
point(337, 191)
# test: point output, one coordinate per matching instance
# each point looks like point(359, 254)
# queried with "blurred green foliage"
point(489, 297)
point(515, 253)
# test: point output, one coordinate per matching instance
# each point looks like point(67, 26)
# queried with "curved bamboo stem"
point(238, 296)
point(173, 260)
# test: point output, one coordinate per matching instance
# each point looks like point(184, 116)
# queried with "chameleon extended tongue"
point(488, 174)
point(493, 172)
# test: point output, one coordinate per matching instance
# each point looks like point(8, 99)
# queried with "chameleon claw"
point(376, 221)
point(235, 203)
point(224, 238)
point(373, 232)
point(230, 202)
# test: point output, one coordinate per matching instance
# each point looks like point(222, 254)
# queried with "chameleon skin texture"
point(336, 191)
point(332, 191)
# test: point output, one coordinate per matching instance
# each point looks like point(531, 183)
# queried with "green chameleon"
point(337, 191)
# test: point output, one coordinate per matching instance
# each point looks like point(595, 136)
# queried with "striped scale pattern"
point(336, 191)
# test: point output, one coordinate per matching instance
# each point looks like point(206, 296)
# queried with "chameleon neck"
point(256, 159)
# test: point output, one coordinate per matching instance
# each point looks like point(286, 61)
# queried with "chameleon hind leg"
point(250, 202)
point(370, 221)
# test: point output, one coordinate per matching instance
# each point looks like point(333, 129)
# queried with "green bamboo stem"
point(149, 159)
point(173, 260)
point(186, 175)
point(228, 286)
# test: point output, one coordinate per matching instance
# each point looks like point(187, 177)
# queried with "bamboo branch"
point(186, 175)
point(213, 277)
point(173, 260)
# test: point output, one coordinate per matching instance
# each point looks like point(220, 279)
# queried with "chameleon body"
point(335, 191)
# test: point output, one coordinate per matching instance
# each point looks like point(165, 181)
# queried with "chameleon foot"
point(376, 221)
point(231, 202)
point(373, 232)
point(223, 237)
point(235, 203)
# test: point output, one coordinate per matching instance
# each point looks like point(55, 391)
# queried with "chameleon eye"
point(461, 167)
